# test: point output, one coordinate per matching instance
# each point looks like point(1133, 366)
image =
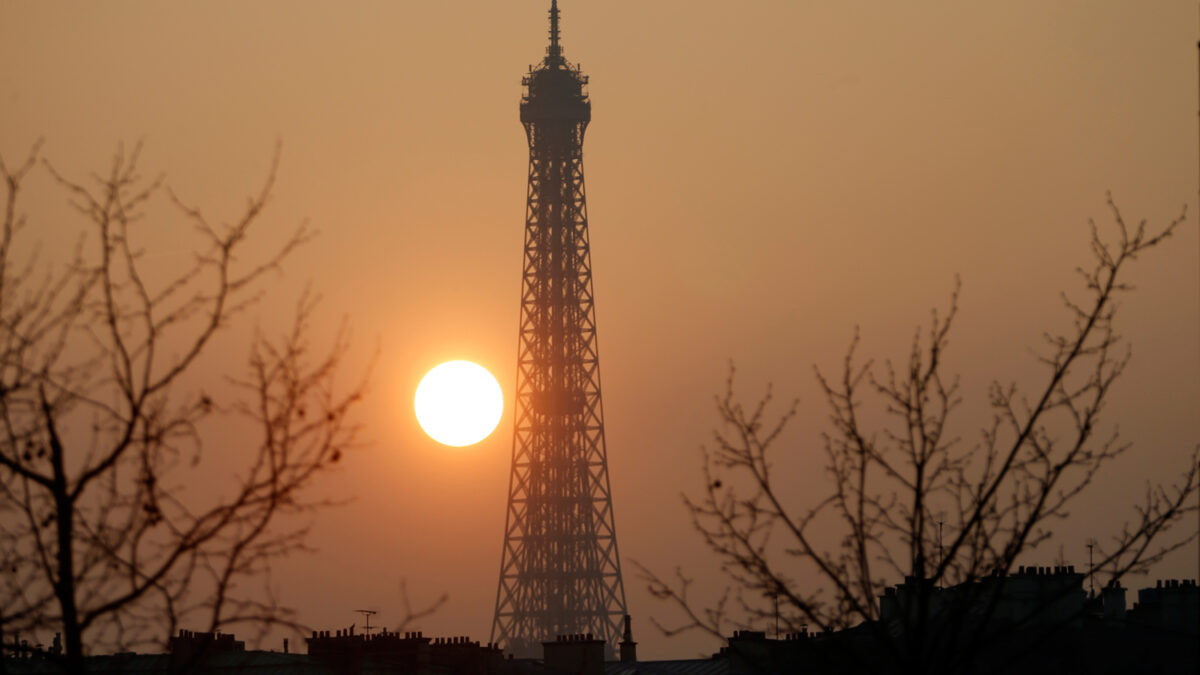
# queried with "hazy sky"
point(762, 177)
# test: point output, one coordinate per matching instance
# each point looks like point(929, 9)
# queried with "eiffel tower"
point(560, 573)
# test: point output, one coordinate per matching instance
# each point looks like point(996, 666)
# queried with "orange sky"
point(762, 177)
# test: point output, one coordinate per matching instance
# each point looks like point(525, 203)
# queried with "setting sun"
point(459, 403)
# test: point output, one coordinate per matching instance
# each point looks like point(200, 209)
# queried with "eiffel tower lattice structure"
point(560, 573)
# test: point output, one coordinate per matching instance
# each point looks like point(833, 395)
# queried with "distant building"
point(341, 652)
point(1034, 622)
point(1033, 596)
point(1172, 605)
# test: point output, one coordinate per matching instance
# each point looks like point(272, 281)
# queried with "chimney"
point(1112, 601)
point(628, 646)
point(285, 645)
point(574, 655)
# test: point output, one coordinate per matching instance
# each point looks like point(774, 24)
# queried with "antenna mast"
point(554, 53)
point(941, 553)
point(1091, 568)
point(367, 613)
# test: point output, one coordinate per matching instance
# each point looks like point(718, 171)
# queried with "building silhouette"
point(560, 572)
point(1038, 620)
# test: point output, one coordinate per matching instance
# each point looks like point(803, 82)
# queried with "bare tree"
point(100, 424)
point(908, 500)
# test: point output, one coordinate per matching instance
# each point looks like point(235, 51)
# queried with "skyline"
point(755, 196)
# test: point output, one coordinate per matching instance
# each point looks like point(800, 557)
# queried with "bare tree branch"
point(923, 504)
point(99, 536)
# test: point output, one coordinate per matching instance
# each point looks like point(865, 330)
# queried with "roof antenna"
point(367, 613)
point(1091, 567)
point(554, 54)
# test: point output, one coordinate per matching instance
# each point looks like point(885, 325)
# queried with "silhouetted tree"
point(893, 487)
point(100, 533)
